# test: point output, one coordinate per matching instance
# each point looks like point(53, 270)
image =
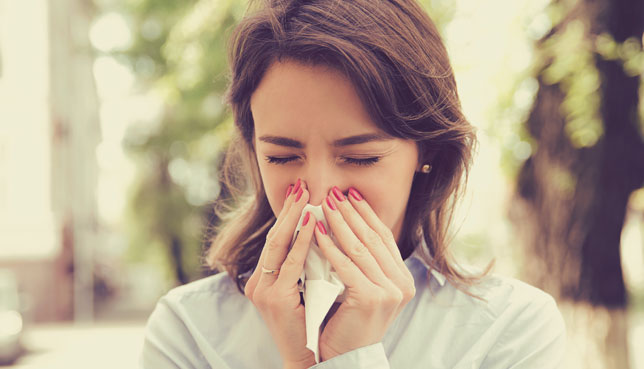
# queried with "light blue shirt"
point(210, 324)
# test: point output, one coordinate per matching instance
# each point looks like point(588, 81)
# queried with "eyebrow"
point(346, 141)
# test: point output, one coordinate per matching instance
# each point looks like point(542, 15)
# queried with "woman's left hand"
point(369, 263)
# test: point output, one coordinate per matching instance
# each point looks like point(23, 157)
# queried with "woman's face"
point(308, 124)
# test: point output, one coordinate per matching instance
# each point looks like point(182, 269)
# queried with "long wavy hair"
point(393, 54)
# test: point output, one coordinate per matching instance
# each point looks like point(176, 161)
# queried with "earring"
point(426, 168)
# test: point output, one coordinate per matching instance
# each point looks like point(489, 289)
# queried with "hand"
point(277, 296)
point(369, 263)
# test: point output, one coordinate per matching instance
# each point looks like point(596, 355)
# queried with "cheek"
point(388, 199)
point(386, 212)
point(275, 185)
point(379, 200)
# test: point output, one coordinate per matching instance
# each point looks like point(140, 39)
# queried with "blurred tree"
point(178, 55)
point(588, 157)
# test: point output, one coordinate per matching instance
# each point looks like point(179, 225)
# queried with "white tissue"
point(320, 283)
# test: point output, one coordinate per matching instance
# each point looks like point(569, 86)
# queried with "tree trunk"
point(167, 228)
point(177, 259)
point(571, 200)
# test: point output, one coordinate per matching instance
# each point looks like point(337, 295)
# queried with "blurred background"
point(112, 127)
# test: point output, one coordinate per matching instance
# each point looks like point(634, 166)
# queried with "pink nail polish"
point(356, 195)
point(338, 194)
point(297, 185)
point(299, 194)
point(329, 202)
point(321, 227)
point(288, 190)
point(306, 218)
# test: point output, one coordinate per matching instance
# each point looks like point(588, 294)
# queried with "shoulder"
point(187, 303)
point(200, 301)
point(499, 322)
point(502, 296)
point(506, 304)
point(496, 295)
point(189, 321)
point(505, 295)
point(510, 303)
point(205, 288)
point(526, 322)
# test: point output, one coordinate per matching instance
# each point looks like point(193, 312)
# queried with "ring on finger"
point(270, 271)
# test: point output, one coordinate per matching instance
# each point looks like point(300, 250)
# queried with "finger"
point(291, 195)
point(294, 263)
point(370, 238)
point(347, 270)
point(366, 212)
point(277, 246)
point(249, 288)
point(351, 244)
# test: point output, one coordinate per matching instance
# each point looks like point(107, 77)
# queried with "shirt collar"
point(418, 254)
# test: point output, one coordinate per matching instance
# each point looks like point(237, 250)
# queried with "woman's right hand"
point(277, 296)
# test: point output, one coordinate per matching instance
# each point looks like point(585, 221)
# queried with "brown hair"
point(393, 54)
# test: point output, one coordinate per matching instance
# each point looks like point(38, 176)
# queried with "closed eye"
point(354, 161)
point(365, 162)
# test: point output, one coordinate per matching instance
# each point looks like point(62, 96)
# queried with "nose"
point(320, 179)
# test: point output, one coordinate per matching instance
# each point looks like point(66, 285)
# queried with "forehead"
point(292, 96)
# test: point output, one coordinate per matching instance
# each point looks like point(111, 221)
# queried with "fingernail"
point(329, 202)
point(297, 185)
point(288, 190)
point(338, 194)
point(306, 218)
point(356, 195)
point(299, 194)
point(321, 227)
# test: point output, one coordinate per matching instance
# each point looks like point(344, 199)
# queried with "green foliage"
point(573, 68)
point(440, 11)
point(178, 54)
point(580, 78)
point(513, 106)
point(568, 59)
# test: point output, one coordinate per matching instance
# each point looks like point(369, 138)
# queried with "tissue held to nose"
point(321, 284)
point(316, 266)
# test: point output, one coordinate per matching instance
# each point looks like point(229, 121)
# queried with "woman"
point(350, 104)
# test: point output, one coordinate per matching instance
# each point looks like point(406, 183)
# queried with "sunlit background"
point(111, 128)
